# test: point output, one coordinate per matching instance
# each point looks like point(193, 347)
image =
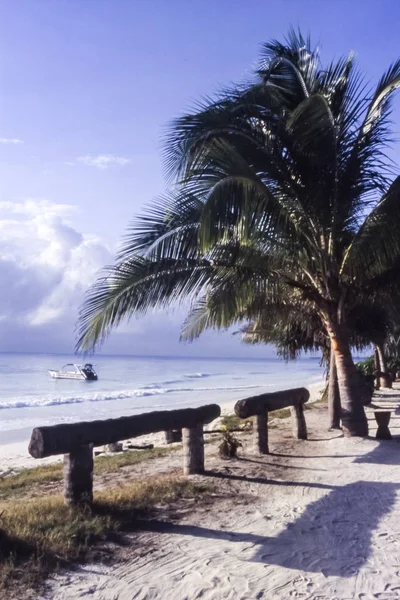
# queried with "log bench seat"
point(76, 442)
point(260, 406)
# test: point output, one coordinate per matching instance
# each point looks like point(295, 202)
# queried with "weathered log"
point(260, 434)
point(225, 430)
point(299, 426)
point(193, 450)
point(383, 419)
point(78, 476)
point(142, 447)
point(65, 438)
point(258, 405)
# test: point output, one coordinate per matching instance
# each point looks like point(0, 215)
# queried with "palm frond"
point(376, 246)
point(168, 228)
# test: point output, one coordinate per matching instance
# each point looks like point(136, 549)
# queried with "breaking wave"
point(197, 375)
point(48, 400)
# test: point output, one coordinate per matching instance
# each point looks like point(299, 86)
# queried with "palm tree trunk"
point(352, 389)
point(377, 368)
point(385, 380)
point(334, 406)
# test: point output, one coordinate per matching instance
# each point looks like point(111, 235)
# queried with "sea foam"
point(154, 390)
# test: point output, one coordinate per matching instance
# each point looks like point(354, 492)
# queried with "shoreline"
point(14, 456)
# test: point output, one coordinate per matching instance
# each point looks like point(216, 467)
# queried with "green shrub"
point(366, 369)
point(367, 366)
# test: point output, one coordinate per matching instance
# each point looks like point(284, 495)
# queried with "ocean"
point(128, 385)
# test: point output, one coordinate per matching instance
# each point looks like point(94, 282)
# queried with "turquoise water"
point(129, 385)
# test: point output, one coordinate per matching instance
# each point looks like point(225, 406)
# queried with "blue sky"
point(87, 90)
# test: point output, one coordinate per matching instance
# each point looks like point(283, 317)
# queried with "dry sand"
point(316, 520)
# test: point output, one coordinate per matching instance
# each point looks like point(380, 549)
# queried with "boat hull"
point(73, 371)
point(58, 375)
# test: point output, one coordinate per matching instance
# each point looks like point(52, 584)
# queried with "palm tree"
point(289, 323)
point(293, 327)
point(281, 185)
point(299, 330)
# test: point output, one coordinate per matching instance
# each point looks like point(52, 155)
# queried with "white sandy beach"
point(316, 519)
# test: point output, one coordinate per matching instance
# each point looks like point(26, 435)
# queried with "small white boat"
point(72, 371)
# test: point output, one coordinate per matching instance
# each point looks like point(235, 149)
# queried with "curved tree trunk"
point(334, 406)
point(385, 380)
point(353, 392)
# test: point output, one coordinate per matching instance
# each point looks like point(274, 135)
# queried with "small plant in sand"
point(229, 445)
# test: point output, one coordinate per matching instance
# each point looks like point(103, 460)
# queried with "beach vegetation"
point(39, 535)
point(367, 366)
point(229, 446)
point(232, 421)
point(39, 478)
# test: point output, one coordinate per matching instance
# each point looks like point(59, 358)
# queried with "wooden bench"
point(260, 406)
point(76, 442)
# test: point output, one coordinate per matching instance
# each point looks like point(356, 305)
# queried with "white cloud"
point(10, 141)
point(103, 161)
point(34, 207)
point(45, 267)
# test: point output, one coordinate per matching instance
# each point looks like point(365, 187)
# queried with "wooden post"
point(261, 433)
point(385, 379)
point(383, 419)
point(169, 436)
point(193, 450)
point(173, 435)
point(78, 476)
point(299, 426)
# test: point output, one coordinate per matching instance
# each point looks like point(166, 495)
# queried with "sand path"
point(316, 520)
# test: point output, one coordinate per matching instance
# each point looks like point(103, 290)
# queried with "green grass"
point(38, 535)
point(323, 399)
point(112, 462)
point(282, 413)
point(14, 486)
point(232, 422)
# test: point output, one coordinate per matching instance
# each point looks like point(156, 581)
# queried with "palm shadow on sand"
point(332, 536)
point(386, 453)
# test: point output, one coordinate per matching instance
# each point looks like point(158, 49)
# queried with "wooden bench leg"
point(193, 450)
point(78, 476)
point(169, 436)
point(173, 435)
point(261, 434)
point(383, 420)
point(299, 426)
